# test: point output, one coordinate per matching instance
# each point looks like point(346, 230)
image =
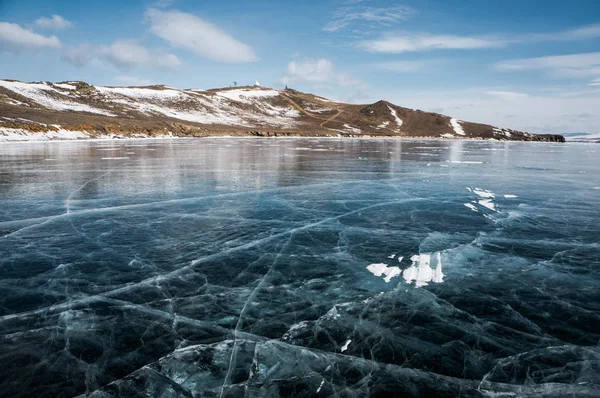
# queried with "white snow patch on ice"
point(345, 346)
point(470, 206)
point(421, 272)
point(457, 127)
point(487, 203)
point(381, 269)
point(483, 193)
point(320, 386)
point(447, 135)
point(510, 196)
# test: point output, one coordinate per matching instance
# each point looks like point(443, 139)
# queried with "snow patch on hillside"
point(139, 93)
point(65, 86)
point(457, 127)
point(49, 97)
point(398, 120)
point(246, 96)
point(198, 107)
point(352, 130)
point(504, 132)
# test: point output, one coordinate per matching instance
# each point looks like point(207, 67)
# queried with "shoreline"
point(253, 136)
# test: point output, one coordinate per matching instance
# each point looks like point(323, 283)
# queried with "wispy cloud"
point(14, 38)
point(55, 22)
point(584, 65)
point(595, 82)
point(346, 16)
point(163, 3)
point(189, 32)
point(405, 66)
point(580, 33)
point(507, 95)
point(402, 42)
point(123, 54)
point(318, 71)
point(323, 75)
point(133, 80)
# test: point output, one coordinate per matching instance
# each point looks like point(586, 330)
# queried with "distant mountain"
point(582, 137)
point(72, 110)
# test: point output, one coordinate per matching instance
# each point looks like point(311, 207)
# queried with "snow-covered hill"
point(75, 110)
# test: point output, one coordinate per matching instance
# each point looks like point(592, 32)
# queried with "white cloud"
point(80, 55)
point(321, 74)
point(189, 32)
point(55, 22)
point(133, 80)
point(507, 95)
point(318, 71)
point(580, 33)
point(123, 54)
point(595, 82)
point(163, 3)
point(382, 16)
point(583, 65)
point(313, 71)
point(405, 66)
point(13, 38)
point(402, 42)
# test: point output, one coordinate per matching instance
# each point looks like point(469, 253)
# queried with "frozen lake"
point(299, 267)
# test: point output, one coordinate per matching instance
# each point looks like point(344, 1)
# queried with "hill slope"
point(72, 110)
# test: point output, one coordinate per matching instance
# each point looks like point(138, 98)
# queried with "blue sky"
point(529, 65)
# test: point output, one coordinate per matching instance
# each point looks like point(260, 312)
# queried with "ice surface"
point(299, 267)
